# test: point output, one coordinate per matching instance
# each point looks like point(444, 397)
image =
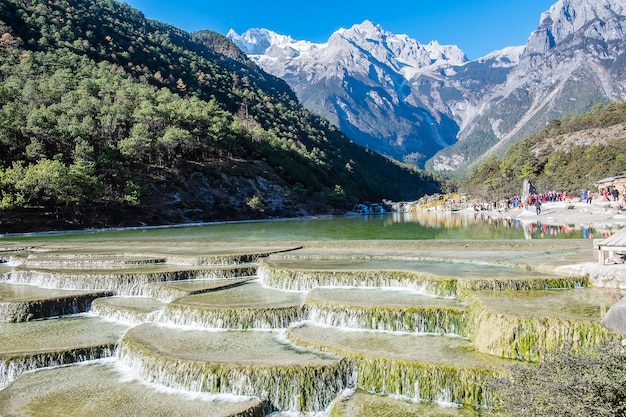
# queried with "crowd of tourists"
point(534, 199)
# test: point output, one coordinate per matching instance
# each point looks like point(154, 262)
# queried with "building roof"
point(611, 179)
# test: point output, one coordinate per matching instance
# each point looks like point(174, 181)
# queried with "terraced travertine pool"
point(117, 328)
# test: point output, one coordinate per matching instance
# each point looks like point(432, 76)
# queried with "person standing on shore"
point(538, 205)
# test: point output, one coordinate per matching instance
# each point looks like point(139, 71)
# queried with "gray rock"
point(615, 318)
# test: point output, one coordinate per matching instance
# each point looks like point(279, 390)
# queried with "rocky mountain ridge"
point(572, 61)
point(359, 80)
point(427, 104)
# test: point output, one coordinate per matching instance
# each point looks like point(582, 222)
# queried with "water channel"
point(408, 313)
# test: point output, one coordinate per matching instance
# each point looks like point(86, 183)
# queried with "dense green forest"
point(552, 165)
point(107, 118)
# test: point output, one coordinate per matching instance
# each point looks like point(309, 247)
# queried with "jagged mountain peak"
point(258, 41)
point(504, 58)
point(368, 36)
point(597, 19)
point(573, 61)
point(360, 79)
point(389, 46)
point(365, 29)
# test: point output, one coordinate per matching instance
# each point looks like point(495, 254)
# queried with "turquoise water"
point(394, 226)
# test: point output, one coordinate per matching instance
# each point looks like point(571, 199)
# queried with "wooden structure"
point(616, 243)
point(618, 182)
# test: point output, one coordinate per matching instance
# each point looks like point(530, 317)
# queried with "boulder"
point(615, 318)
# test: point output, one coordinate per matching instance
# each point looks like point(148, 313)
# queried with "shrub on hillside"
point(567, 384)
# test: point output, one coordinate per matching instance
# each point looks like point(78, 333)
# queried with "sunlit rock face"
point(428, 104)
point(362, 79)
point(601, 20)
point(571, 62)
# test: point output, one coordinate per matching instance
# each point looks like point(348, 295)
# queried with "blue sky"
point(476, 26)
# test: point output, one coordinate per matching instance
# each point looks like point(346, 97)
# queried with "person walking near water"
point(538, 206)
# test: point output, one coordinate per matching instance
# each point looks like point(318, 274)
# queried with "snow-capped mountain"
point(359, 79)
point(256, 42)
point(426, 102)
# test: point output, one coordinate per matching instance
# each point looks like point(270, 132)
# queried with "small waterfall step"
point(248, 363)
point(101, 390)
point(171, 290)
point(246, 306)
point(362, 404)
point(436, 369)
point(103, 254)
point(20, 302)
point(5, 272)
point(52, 342)
point(128, 310)
point(306, 274)
point(218, 257)
point(84, 261)
point(521, 324)
point(430, 277)
point(126, 281)
point(386, 310)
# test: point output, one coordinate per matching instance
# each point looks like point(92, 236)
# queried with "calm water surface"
point(393, 226)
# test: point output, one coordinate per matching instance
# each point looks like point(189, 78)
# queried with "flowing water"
point(409, 313)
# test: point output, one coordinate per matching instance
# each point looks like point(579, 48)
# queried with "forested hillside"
point(569, 154)
point(110, 119)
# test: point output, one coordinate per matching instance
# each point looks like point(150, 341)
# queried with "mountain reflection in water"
point(423, 225)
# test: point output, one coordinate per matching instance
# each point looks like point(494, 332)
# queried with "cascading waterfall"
point(200, 325)
point(169, 291)
point(14, 366)
point(130, 310)
point(216, 260)
point(100, 388)
point(128, 283)
point(75, 262)
point(232, 318)
point(286, 379)
point(414, 320)
point(30, 310)
point(523, 284)
point(408, 368)
point(246, 306)
point(161, 293)
point(5, 275)
point(426, 382)
point(297, 280)
point(524, 336)
point(396, 310)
